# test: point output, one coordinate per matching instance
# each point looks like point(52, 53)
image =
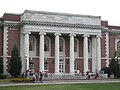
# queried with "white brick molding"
point(5, 51)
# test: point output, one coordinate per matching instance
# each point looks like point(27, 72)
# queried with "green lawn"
point(103, 86)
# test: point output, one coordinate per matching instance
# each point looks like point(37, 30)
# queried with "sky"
point(109, 10)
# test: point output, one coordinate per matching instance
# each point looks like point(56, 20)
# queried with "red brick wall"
point(111, 45)
point(103, 63)
point(103, 48)
point(36, 64)
point(80, 65)
point(81, 47)
point(51, 65)
point(52, 45)
point(67, 46)
point(1, 41)
point(13, 38)
point(67, 67)
point(11, 17)
point(104, 23)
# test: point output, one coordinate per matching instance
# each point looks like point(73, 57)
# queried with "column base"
point(57, 73)
point(71, 73)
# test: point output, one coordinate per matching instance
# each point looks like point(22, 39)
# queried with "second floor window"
point(46, 44)
point(31, 43)
point(75, 45)
point(61, 44)
point(118, 45)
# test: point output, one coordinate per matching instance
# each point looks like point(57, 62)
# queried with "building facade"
point(58, 43)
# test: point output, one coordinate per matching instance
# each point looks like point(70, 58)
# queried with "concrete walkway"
point(65, 82)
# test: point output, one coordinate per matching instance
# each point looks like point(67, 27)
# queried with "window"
point(46, 44)
point(118, 45)
point(61, 45)
point(89, 45)
point(75, 45)
point(32, 43)
point(46, 65)
point(31, 64)
point(75, 65)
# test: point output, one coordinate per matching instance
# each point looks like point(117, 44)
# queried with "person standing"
point(34, 77)
point(41, 76)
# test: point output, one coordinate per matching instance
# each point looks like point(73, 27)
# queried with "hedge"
point(21, 80)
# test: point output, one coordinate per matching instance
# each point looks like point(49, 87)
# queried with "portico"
point(57, 25)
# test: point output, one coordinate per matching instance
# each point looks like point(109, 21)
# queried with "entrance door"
point(61, 66)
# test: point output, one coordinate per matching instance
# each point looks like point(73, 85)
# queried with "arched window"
point(75, 45)
point(118, 45)
point(89, 45)
point(32, 43)
point(46, 44)
point(61, 44)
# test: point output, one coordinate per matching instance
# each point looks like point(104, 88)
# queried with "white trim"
point(5, 51)
point(107, 48)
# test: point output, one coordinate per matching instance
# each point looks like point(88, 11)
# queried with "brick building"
point(58, 43)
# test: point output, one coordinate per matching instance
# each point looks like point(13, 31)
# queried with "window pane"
point(61, 44)
point(31, 43)
point(75, 45)
point(46, 44)
point(45, 65)
point(118, 45)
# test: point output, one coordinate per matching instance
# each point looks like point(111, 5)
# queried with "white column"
point(41, 61)
point(85, 53)
point(94, 51)
point(98, 53)
point(72, 58)
point(57, 53)
point(27, 49)
point(5, 51)
point(107, 48)
point(22, 52)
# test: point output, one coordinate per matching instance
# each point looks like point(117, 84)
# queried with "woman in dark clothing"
point(41, 77)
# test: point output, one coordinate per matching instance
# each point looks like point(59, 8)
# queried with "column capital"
point(27, 32)
point(98, 36)
point(86, 35)
point(59, 34)
point(42, 33)
point(72, 34)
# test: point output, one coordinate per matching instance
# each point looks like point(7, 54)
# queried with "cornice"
point(55, 24)
point(11, 24)
point(114, 31)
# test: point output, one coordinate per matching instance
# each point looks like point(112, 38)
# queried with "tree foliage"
point(114, 69)
point(15, 62)
point(1, 65)
point(114, 64)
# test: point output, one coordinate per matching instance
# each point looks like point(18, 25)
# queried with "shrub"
point(2, 76)
point(106, 70)
point(1, 65)
point(21, 79)
point(15, 62)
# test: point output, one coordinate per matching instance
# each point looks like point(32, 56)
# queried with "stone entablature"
point(60, 18)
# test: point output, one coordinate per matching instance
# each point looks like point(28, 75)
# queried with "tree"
point(15, 62)
point(114, 66)
point(1, 65)
point(106, 70)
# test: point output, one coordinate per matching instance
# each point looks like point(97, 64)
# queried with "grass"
point(5, 81)
point(97, 86)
